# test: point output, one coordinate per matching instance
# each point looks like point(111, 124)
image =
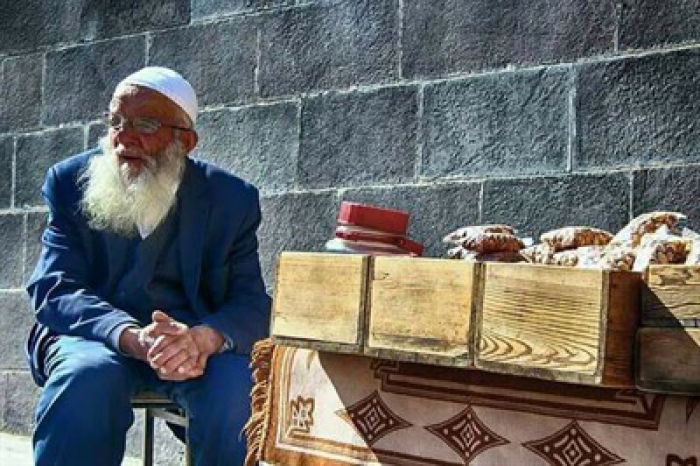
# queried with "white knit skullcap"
point(169, 83)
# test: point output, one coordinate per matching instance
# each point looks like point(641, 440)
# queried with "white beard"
point(115, 202)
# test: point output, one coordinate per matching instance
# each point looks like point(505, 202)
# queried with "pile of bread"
point(651, 238)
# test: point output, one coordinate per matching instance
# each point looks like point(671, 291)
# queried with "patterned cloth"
point(322, 409)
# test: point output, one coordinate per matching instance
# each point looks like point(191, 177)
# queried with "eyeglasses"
point(141, 125)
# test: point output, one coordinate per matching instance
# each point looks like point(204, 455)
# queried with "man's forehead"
point(133, 92)
point(142, 97)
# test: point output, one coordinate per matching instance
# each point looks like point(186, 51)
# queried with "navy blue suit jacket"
point(79, 267)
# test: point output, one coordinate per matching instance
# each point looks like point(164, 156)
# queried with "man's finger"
point(180, 376)
point(161, 343)
point(167, 328)
point(162, 323)
point(162, 358)
point(202, 362)
point(146, 340)
point(177, 363)
point(160, 316)
point(175, 377)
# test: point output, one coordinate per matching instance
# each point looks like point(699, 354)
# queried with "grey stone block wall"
point(489, 125)
point(535, 113)
point(219, 59)
point(259, 143)
point(358, 138)
point(452, 36)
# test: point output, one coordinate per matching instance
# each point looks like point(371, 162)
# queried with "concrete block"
point(7, 148)
point(537, 205)
point(3, 399)
point(214, 8)
point(20, 395)
point(36, 153)
point(167, 451)
point(639, 111)
point(258, 143)
point(329, 46)
point(451, 36)
point(104, 18)
point(16, 318)
point(80, 80)
point(32, 24)
point(673, 189)
point(359, 138)
point(96, 131)
point(218, 59)
point(20, 92)
point(506, 123)
point(434, 210)
point(134, 436)
point(37, 23)
point(11, 250)
point(647, 23)
point(295, 222)
point(35, 226)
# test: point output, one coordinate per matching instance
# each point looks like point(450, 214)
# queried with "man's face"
point(134, 149)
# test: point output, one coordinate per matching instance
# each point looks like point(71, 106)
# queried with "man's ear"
point(189, 139)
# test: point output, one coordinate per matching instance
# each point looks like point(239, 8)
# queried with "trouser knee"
point(219, 407)
point(84, 411)
point(88, 390)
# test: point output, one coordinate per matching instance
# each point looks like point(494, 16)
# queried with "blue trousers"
point(85, 410)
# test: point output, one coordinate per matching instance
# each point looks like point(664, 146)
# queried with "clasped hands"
point(174, 350)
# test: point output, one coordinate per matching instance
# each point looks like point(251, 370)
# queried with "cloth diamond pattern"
point(467, 434)
point(372, 418)
point(572, 446)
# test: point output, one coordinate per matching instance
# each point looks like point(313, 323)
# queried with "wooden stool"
point(158, 406)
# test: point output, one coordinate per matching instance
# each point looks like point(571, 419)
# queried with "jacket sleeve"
point(58, 288)
point(244, 317)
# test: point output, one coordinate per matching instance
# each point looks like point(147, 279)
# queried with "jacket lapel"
point(194, 217)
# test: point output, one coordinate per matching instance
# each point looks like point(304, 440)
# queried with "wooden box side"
point(671, 296)
point(621, 319)
point(542, 321)
point(319, 300)
point(421, 310)
point(668, 360)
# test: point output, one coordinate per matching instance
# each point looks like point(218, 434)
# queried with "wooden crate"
point(668, 358)
point(558, 323)
point(422, 310)
point(320, 301)
point(671, 296)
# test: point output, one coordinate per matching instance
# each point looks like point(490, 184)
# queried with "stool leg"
point(188, 456)
point(188, 451)
point(148, 434)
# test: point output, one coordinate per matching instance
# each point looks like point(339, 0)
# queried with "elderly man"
point(149, 279)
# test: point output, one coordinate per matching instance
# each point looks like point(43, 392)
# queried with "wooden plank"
point(318, 345)
point(623, 311)
point(558, 323)
point(672, 296)
point(669, 360)
point(421, 310)
point(320, 300)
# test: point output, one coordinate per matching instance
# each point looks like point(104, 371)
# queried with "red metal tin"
point(376, 218)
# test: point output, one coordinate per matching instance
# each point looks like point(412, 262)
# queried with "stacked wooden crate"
point(669, 339)
point(558, 323)
point(422, 310)
point(564, 324)
point(320, 301)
